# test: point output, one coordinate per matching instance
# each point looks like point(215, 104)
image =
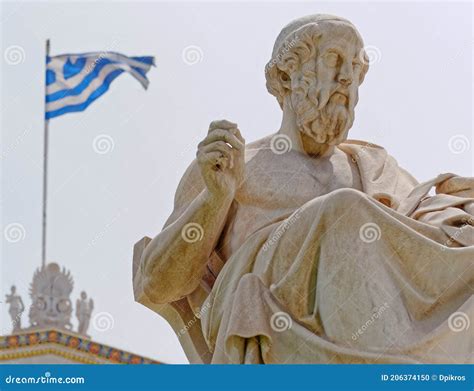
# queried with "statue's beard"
point(322, 114)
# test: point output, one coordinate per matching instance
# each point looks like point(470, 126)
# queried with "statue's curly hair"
point(290, 62)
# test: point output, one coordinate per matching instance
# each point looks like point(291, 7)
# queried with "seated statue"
point(307, 247)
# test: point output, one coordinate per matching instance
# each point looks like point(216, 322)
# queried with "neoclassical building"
point(50, 338)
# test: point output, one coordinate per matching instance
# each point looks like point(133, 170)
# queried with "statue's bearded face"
point(324, 91)
point(318, 72)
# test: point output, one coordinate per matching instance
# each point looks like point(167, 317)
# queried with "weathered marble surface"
point(306, 247)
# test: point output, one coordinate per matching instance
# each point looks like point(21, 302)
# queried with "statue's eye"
point(331, 59)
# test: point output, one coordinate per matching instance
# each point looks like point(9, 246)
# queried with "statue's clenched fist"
point(221, 158)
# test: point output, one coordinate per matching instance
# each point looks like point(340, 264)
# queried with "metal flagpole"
point(45, 167)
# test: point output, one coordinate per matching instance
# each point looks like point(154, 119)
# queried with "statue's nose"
point(345, 80)
point(345, 74)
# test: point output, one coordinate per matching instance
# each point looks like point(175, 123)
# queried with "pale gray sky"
point(416, 101)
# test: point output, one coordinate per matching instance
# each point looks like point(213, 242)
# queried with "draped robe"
point(382, 275)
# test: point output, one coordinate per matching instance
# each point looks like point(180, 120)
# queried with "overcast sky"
point(416, 101)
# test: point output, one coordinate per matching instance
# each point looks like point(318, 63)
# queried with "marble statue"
point(84, 310)
point(16, 308)
point(50, 293)
point(308, 247)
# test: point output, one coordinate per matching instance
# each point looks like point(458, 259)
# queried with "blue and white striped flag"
point(74, 81)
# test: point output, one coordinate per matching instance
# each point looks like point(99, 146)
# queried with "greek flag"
point(74, 81)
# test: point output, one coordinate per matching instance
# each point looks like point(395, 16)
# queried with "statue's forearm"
point(174, 262)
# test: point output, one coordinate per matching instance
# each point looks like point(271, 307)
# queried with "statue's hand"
point(457, 186)
point(221, 158)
